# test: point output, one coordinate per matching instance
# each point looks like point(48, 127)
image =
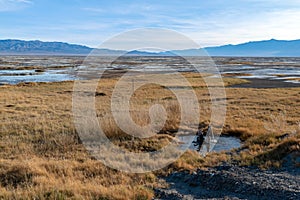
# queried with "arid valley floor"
point(42, 156)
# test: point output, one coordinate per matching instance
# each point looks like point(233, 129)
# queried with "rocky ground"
point(233, 182)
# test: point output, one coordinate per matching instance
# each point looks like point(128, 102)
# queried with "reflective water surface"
point(16, 69)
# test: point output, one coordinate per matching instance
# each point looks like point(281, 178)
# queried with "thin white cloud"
point(22, 1)
point(94, 10)
point(210, 22)
point(139, 9)
point(12, 5)
point(282, 24)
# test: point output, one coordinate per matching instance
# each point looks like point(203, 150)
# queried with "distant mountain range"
point(39, 47)
point(267, 48)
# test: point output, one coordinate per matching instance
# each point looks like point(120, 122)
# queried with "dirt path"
point(232, 182)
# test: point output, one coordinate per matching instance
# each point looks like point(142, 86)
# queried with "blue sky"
point(91, 22)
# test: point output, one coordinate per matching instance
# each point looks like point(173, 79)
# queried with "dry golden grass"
point(293, 79)
point(236, 74)
point(59, 179)
point(271, 149)
point(238, 62)
point(43, 158)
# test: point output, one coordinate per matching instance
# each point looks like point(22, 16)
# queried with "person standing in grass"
point(200, 139)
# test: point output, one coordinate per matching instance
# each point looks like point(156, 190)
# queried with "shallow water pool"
point(224, 143)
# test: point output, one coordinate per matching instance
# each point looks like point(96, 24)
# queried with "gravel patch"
point(232, 182)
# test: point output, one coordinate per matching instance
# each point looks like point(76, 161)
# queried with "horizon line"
point(83, 45)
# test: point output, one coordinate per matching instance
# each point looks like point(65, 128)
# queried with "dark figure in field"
point(200, 140)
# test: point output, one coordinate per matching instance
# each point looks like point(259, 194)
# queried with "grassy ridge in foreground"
point(42, 156)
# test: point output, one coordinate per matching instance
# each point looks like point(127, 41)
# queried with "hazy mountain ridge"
point(39, 47)
point(267, 48)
